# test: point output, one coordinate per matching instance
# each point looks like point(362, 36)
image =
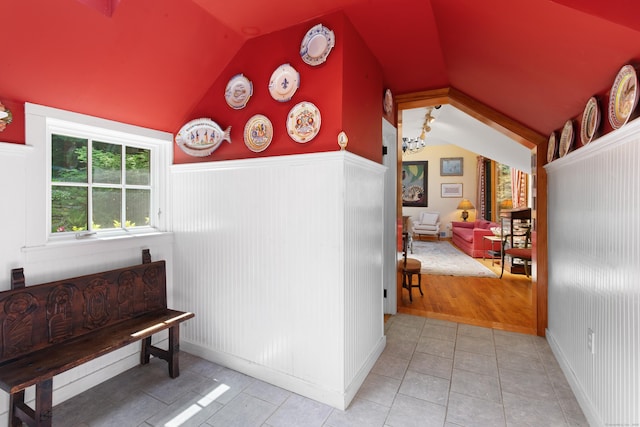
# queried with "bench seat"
point(16, 375)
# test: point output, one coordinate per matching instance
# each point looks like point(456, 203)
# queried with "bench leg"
point(15, 400)
point(41, 416)
point(171, 355)
point(174, 350)
point(145, 352)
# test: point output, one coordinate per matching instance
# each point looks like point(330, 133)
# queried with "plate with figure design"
point(566, 138)
point(590, 121)
point(258, 133)
point(623, 96)
point(303, 122)
point(284, 82)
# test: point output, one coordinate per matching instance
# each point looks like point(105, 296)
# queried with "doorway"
point(520, 135)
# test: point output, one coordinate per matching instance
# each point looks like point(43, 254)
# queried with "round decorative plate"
point(590, 121)
point(201, 137)
point(317, 44)
point(388, 101)
point(284, 82)
point(238, 91)
point(303, 122)
point(623, 96)
point(566, 138)
point(551, 147)
point(258, 133)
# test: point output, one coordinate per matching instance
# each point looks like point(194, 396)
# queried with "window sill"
point(65, 249)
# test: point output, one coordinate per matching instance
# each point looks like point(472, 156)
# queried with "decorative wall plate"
point(590, 121)
point(238, 91)
point(551, 147)
point(284, 82)
point(566, 138)
point(258, 133)
point(317, 44)
point(623, 96)
point(303, 122)
point(201, 137)
point(388, 101)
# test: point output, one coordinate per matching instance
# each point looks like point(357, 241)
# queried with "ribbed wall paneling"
point(594, 266)
point(264, 257)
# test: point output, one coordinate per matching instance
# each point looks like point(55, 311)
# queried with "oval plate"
point(258, 133)
point(551, 147)
point(623, 96)
point(284, 82)
point(590, 121)
point(566, 138)
point(303, 122)
point(317, 44)
point(238, 91)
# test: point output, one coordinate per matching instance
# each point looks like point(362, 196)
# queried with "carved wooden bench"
point(50, 328)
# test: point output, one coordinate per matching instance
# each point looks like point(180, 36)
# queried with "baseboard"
point(334, 398)
point(588, 409)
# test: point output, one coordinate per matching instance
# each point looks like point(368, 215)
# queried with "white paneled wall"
point(281, 260)
point(594, 274)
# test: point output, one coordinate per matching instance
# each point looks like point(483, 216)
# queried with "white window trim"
point(39, 120)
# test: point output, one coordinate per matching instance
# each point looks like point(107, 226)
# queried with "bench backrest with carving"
point(35, 317)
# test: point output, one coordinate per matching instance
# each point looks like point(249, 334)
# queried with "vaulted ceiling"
point(149, 61)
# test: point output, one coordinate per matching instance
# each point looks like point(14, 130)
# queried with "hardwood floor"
point(506, 303)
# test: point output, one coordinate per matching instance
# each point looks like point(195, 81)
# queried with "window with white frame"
point(102, 177)
point(98, 184)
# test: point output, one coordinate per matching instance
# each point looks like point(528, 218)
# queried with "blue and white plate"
point(317, 44)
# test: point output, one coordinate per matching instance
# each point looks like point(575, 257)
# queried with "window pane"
point(107, 206)
point(107, 163)
point(138, 207)
point(68, 209)
point(68, 159)
point(138, 166)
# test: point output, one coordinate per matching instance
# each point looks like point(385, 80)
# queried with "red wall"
point(346, 89)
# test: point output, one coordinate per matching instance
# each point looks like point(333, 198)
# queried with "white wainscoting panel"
point(280, 260)
point(594, 271)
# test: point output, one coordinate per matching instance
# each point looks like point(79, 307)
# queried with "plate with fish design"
point(201, 137)
point(590, 121)
point(566, 138)
point(551, 147)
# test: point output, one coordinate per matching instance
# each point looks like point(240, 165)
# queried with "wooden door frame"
point(522, 135)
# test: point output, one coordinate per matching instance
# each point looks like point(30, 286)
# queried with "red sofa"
point(468, 236)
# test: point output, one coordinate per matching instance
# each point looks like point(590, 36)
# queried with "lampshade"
point(465, 204)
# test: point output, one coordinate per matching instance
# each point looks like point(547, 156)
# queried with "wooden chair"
point(409, 267)
point(518, 253)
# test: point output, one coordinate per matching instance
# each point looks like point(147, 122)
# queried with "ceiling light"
point(416, 145)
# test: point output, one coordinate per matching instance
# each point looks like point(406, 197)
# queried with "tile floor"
point(432, 373)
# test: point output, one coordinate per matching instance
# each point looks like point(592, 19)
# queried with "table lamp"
point(465, 204)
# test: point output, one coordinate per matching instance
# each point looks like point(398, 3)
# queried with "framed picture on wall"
point(450, 190)
point(414, 183)
point(451, 166)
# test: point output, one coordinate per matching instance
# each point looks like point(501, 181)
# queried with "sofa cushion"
point(424, 227)
point(465, 233)
point(483, 223)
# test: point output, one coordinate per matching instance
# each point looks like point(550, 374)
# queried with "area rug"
point(442, 258)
